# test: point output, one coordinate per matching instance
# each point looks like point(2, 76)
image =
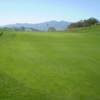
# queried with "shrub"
point(84, 23)
point(51, 29)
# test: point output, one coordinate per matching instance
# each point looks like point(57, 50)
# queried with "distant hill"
point(59, 25)
point(91, 29)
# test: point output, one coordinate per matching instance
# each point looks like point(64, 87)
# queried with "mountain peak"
point(59, 25)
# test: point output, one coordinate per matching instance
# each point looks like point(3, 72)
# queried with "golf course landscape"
point(50, 65)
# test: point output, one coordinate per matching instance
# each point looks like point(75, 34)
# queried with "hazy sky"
point(34, 11)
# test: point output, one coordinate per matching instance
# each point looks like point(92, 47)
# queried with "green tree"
point(84, 23)
point(51, 29)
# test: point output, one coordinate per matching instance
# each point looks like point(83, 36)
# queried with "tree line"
point(84, 23)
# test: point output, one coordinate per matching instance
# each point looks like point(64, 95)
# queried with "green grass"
point(95, 29)
point(49, 66)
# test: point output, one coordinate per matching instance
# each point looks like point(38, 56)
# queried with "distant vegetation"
point(25, 29)
point(94, 29)
point(18, 29)
point(84, 23)
point(59, 25)
point(51, 29)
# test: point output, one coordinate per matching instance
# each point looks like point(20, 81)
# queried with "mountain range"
point(59, 25)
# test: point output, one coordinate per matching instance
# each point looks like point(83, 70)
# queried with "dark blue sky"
point(34, 11)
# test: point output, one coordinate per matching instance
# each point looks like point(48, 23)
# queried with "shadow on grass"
point(11, 89)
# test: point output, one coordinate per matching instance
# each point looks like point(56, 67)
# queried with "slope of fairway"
point(95, 29)
point(49, 66)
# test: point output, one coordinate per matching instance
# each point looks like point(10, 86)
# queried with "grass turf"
point(49, 66)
